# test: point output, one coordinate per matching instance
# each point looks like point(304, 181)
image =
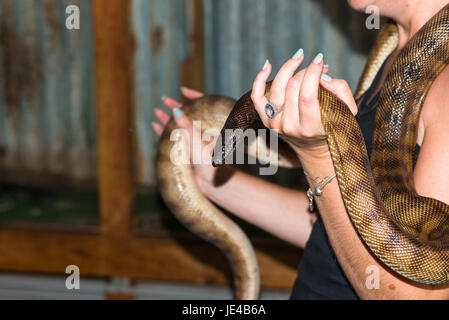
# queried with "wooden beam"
point(178, 259)
point(113, 67)
point(192, 74)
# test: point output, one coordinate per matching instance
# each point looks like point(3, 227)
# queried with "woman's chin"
point(359, 5)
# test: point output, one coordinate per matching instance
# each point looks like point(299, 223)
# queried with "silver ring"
point(271, 111)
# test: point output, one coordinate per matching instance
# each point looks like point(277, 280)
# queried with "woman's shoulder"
point(435, 111)
point(431, 174)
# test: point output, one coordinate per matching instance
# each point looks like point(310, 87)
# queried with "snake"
point(406, 232)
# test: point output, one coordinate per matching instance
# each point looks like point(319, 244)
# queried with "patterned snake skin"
point(407, 232)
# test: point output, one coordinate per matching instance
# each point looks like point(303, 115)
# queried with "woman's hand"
point(299, 120)
point(277, 210)
point(172, 104)
point(204, 172)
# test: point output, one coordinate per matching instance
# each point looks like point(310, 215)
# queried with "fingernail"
point(298, 54)
point(326, 77)
point(265, 64)
point(326, 66)
point(177, 113)
point(318, 58)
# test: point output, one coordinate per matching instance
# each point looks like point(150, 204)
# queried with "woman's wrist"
point(320, 172)
point(314, 155)
point(318, 163)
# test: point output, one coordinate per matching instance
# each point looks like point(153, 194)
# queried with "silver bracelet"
point(318, 191)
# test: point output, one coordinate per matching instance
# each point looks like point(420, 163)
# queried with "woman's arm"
point(280, 211)
point(300, 125)
point(431, 178)
point(353, 255)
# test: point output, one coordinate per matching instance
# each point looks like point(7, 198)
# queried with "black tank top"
point(320, 276)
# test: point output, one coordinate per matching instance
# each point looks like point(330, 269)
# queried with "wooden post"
point(193, 66)
point(113, 67)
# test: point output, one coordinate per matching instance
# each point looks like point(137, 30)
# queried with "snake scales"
point(407, 232)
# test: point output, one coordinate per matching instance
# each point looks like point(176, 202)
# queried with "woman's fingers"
point(285, 73)
point(157, 128)
point(308, 95)
point(181, 120)
point(342, 90)
point(258, 91)
point(293, 89)
point(186, 92)
point(310, 84)
point(290, 113)
point(161, 115)
point(199, 152)
point(171, 103)
point(191, 93)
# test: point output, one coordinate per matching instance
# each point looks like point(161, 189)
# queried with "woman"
point(335, 258)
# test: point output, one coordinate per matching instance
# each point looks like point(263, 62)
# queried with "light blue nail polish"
point(326, 77)
point(177, 113)
point(318, 58)
point(265, 64)
point(326, 66)
point(298, 54)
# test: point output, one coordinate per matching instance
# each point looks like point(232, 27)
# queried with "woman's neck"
point(410, 18)
point(412, 15)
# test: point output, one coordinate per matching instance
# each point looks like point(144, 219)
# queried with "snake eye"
point(219, 153)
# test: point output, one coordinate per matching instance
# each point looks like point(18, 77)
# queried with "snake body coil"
point(407, 232)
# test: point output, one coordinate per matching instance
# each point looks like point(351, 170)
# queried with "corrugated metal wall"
point(241, 34)
point(47, 110)
point(47, 104)
point(161, 34)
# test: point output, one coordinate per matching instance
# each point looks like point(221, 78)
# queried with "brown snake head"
point(242, 117)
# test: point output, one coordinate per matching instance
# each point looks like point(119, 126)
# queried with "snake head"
point(242, 117)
